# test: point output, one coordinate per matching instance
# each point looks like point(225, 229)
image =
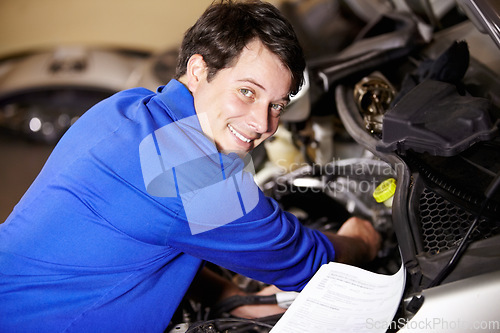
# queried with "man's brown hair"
point(227, 26)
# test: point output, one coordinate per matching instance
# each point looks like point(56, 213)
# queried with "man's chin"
point(240, 150)
point(240, 153)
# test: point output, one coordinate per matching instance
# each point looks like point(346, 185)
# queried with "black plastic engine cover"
point(434, 118)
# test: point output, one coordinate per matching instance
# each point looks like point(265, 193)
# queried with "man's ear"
point(196, 72)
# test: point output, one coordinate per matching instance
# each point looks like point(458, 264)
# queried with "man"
point(110, 234)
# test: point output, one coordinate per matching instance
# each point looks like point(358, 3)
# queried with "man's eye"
point(278, 107)
point(246, 92)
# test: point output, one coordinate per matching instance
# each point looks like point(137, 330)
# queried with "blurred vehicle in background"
point(43, 93)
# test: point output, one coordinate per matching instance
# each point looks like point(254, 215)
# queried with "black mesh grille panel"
point(443, 224)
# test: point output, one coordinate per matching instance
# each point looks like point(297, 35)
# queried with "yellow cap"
point(385, 190)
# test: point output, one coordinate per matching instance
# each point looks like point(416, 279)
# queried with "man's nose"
point(258, 118)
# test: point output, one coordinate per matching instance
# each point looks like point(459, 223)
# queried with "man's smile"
point(238, 135)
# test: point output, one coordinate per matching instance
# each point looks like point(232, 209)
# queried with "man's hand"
point(356, 242)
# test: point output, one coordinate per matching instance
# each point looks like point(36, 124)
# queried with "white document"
point(343, 298)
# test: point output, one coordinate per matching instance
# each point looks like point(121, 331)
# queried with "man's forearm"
point(348, 250)
point(356, 242)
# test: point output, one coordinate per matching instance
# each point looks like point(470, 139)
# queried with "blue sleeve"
point(267, 244)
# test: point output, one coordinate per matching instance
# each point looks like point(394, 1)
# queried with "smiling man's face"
point(241, 106)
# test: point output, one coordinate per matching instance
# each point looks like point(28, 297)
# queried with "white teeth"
point(238, 135)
